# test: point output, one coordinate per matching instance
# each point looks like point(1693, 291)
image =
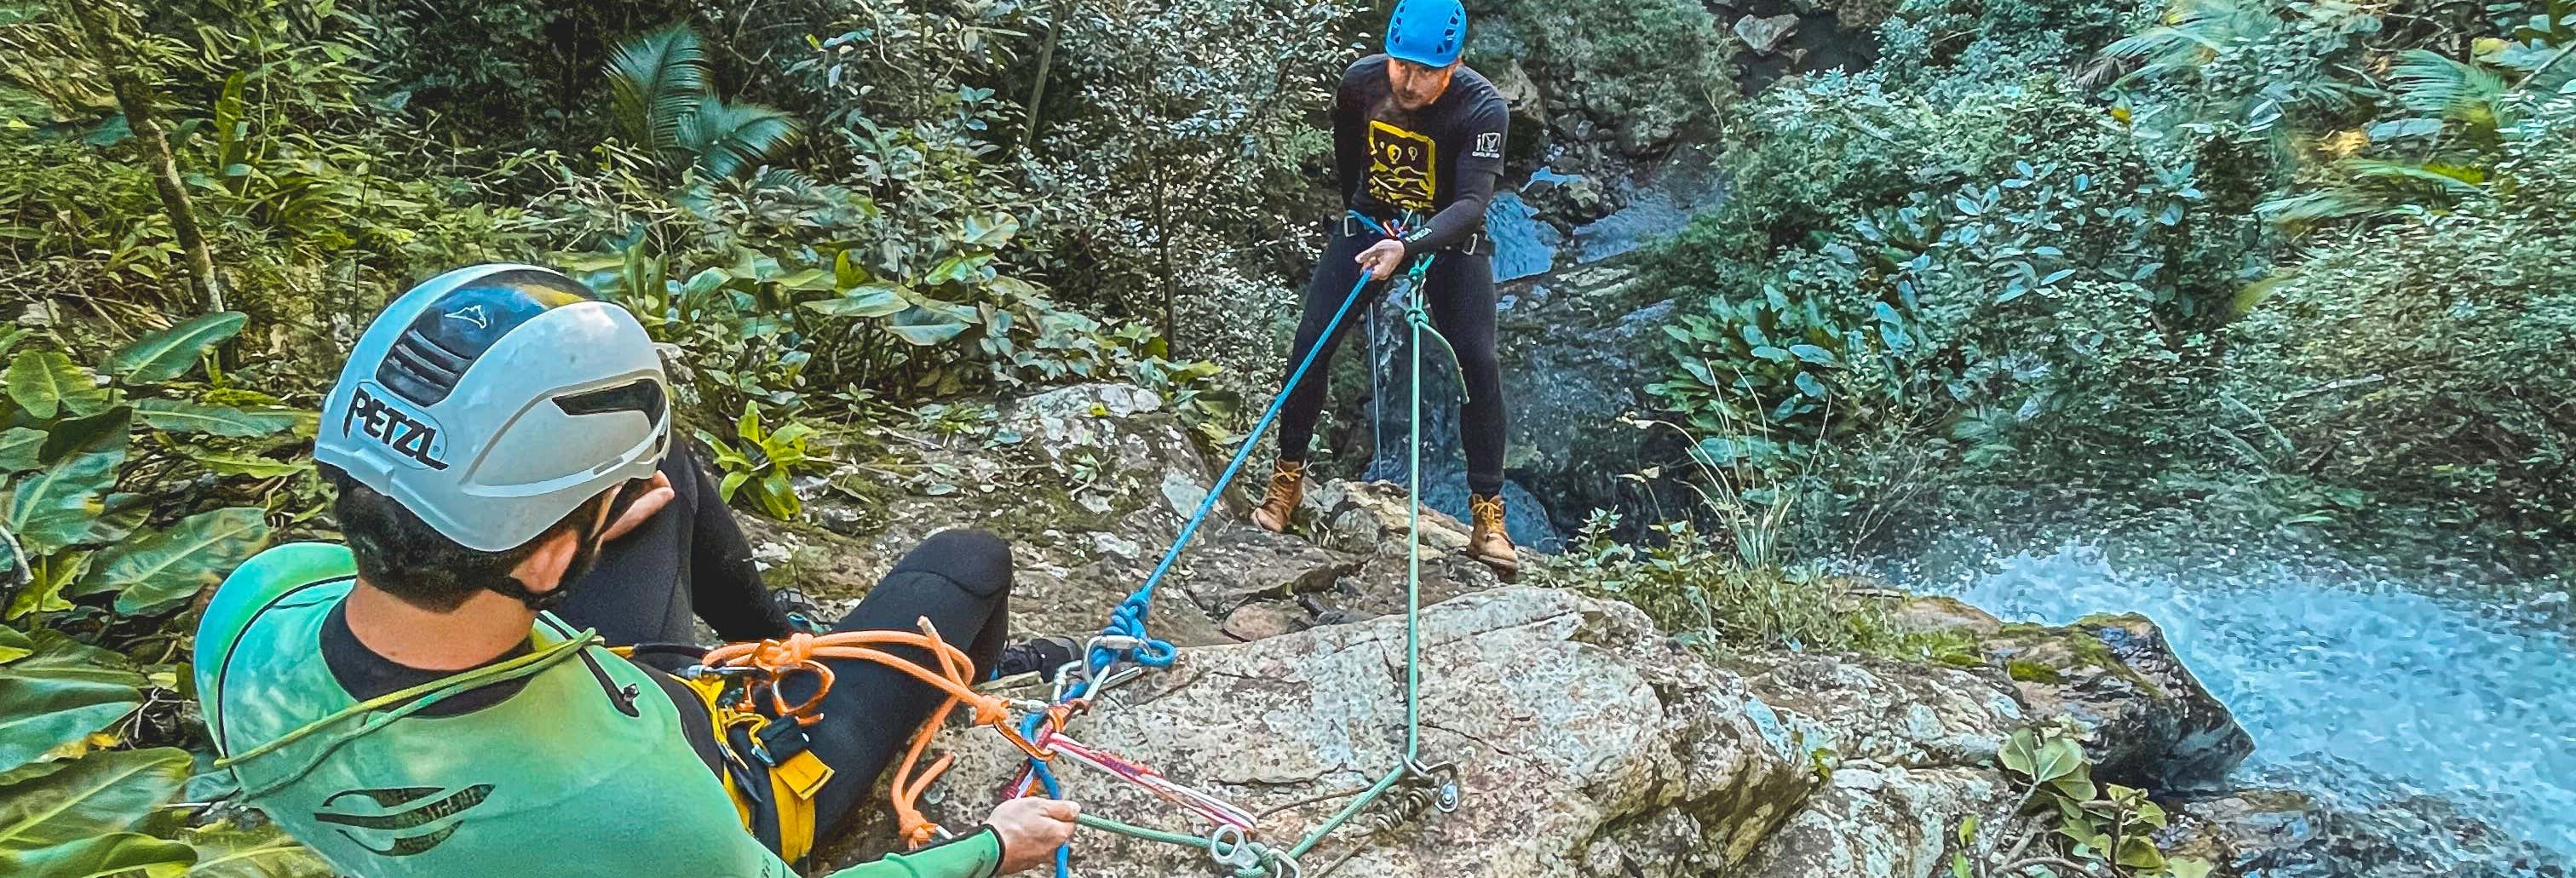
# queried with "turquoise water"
point(2468, 701)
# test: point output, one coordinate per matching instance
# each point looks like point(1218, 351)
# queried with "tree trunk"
point(1037, 91)
point(1163, 243)
point(136, 99)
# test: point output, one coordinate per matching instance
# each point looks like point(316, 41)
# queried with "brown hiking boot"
point(1287, 489)
point(1490, 543)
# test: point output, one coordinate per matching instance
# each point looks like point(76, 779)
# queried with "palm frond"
point(656, 81)
point(2433, 85)
point(729, 139)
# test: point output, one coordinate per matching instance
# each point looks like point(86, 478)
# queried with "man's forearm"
point(978, 855)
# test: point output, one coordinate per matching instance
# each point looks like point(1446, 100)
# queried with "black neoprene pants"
point(1459, 290)
point(961, 581)
point(689, 558)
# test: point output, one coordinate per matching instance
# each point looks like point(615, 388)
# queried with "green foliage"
point(83, 537)
point(46, 703)
point(1993, 298)
point(1642, 71)
point(664, 99)
point(767, 460)
point(2106, 826)
point(305, 189)
point(1699, 588)
point(94, 795)
point(2050, 297)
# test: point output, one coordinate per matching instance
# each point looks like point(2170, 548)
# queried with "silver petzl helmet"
point(493, 400)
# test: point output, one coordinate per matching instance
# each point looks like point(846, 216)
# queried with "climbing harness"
point(764, 666)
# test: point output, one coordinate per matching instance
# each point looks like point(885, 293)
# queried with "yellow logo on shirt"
point(1401, 167)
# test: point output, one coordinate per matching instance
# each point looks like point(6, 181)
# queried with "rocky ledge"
point(1587, 742)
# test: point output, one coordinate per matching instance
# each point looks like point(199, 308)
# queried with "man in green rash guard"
point(407, 706)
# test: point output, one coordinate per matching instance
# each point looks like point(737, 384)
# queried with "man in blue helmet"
point(1414, 132)
point(407, 705)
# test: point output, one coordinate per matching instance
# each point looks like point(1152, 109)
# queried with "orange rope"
point(801, 653)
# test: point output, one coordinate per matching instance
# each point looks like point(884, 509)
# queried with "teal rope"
point(1105, 824)
point(1420, 319)
point(1269, 860)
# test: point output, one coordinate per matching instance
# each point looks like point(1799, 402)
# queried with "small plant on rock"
point(2066, 824)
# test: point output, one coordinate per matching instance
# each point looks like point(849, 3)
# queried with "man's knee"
point(976, 560)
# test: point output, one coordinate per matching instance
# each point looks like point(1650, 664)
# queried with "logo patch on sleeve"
point(1489, 145)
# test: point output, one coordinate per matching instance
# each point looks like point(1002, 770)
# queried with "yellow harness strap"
point(792, 784)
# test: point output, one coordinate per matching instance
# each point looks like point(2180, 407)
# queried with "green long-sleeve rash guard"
point(582, 770)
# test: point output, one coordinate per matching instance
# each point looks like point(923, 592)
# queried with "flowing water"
point(2467, 701)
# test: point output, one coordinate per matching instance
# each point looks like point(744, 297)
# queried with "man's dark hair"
point(403, 556)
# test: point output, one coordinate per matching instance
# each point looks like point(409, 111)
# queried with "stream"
point(2359, 693)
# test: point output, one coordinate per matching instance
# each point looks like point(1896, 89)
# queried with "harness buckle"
point(779, 740)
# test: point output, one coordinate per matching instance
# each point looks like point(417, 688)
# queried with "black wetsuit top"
point(1442, 159)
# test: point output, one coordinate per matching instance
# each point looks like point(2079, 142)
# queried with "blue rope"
point(1128, 619)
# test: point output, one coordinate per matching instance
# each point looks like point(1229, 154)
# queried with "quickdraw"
point(1214, 809)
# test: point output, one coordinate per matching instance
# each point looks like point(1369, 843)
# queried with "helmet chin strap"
point(585, 556)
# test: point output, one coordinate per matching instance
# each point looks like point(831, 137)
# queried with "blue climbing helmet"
point(1427, 32)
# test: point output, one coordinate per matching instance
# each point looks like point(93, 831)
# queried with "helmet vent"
point(640, 395)
point(418, 369)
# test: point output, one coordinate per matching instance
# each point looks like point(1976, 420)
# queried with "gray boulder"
point(1585, 747)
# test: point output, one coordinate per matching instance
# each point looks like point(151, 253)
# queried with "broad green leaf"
point(95, 795)
point(99, 433)
point(188, 417)
point(2077, 786)
point(18, 449)
point(174, 564)
point(924, 328)
point(171, 352)
point(873, 299)
point(47, 384)
point(2139, 852)
point(120, 854)
point(43, 593)
point(224, 851)
point(993, 231)
point(53, 508)
point(1812, 354)
point(932, 334)
point(14, 645)
point(2189, 868)
point(58, 656)
point(2058, 758)
point(250, 465)
point(778, 497)
point(2020, 752)
point(809, 280)
point(42, 708)
point(1808, 385)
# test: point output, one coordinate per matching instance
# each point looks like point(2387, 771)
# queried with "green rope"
point(1420, 320)
point(1105, 824)
point(427, 694)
